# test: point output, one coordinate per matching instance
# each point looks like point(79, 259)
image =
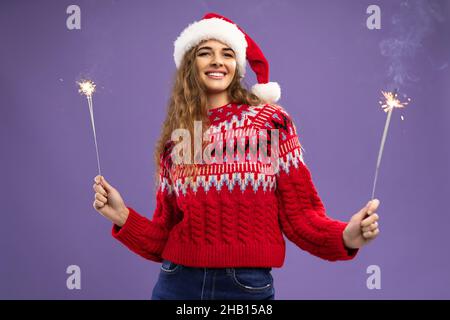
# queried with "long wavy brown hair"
point(188, 103)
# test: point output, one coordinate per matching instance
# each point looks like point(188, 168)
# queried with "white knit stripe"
point(264, 115)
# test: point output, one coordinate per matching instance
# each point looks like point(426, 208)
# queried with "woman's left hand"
point(362, 227)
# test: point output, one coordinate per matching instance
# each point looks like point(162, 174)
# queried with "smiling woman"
point(217, 228)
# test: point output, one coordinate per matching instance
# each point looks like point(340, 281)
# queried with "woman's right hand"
point(108, 202)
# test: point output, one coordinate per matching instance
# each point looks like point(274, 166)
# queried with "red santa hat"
point(215, 26)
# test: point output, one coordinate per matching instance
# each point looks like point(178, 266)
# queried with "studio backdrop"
point(333, 61)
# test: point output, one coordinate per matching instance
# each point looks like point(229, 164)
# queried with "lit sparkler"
point(388, 105)
point(87, 88)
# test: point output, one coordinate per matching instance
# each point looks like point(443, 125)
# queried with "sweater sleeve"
point(145, 237)
point(302, 215)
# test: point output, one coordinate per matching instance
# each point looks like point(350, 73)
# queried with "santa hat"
point(214, 26)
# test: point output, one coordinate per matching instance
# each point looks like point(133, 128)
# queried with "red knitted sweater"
point(234, 214)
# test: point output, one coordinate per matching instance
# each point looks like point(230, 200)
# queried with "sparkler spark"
point(391, 102)
point(87, 87)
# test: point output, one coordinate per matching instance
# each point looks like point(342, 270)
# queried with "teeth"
point(216, 74)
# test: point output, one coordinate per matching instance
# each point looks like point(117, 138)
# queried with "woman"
point(218, 223)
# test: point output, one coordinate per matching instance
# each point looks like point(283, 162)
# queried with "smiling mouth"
point(215, 75)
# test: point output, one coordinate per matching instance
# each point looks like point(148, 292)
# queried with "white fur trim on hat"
point(268, 92)
point(212, 28)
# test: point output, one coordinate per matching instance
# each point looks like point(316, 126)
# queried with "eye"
point(226, 54)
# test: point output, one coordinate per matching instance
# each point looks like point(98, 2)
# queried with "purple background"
point(331, 69)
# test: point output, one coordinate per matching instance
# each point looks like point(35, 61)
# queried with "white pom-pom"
point(268, 92)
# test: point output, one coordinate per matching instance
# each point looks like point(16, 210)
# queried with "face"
point(216, 65)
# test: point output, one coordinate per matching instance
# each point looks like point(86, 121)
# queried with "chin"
point(215, 89)
point(214, 86)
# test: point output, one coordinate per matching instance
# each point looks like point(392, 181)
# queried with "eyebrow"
point(209, 48)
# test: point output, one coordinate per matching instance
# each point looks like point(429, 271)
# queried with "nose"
point(217, 60)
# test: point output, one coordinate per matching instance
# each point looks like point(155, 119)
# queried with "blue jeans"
point(179, 282)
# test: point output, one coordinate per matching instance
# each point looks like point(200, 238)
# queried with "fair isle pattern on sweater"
point(244, 174)
point(235, 214)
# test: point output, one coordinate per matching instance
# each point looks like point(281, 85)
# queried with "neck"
point(216, 100)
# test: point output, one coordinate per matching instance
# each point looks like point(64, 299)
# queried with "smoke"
point(415, 21)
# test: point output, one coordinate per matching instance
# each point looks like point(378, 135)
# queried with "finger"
point(369, 220)
point(98, 204)
point(375, 233)
point(373, 206)
point(367, 234)
point(371, 234)
point(95, 185)
point(101, 198)
point(105, 183)
point(98, 188)
point(97, 179)
point(99, 201)
point(363, 212)
point(371, 227)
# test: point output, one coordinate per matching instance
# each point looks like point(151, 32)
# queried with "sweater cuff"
point(141, 236)
point(134, 225)
point(336, 240)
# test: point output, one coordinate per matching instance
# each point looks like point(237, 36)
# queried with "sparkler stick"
point(388, 106)
point(87, 88)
